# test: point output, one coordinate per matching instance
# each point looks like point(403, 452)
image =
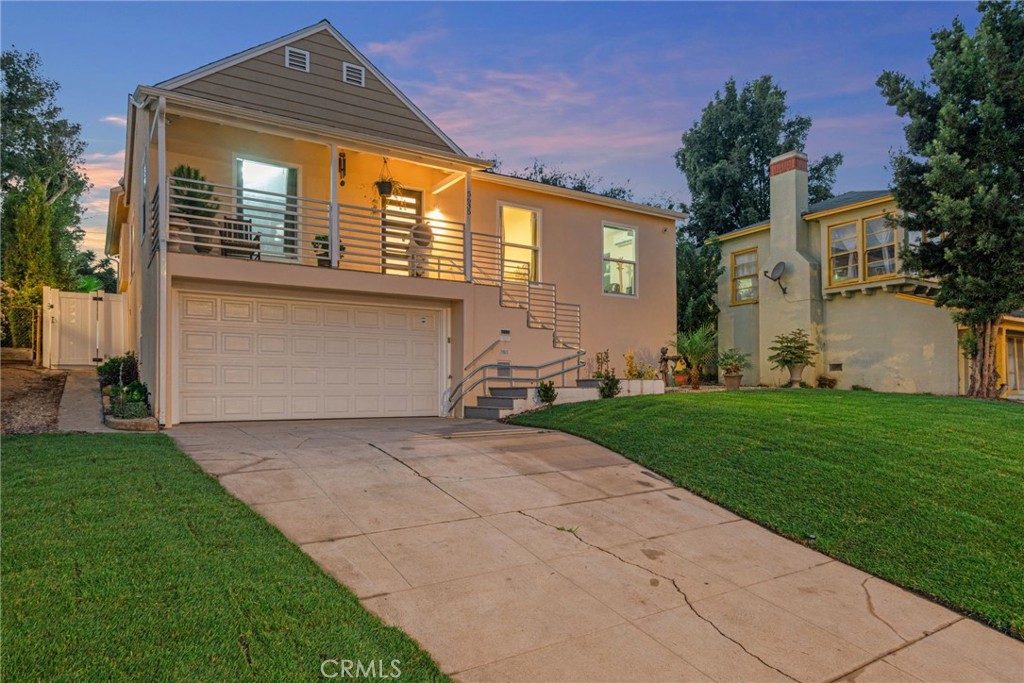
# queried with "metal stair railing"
point(568, 326)
point(566, 365)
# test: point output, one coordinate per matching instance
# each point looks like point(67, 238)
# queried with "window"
point(353, 74)
point(520, 236)
point(862, 250)
point(879, 248)
point(296, 59)
point(744, 277)
point(844, 255)
point(619, 260)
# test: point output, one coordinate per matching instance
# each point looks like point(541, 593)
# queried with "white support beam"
point(446, 182)
point(467, 244)
point(334, 234)
point(163, 389)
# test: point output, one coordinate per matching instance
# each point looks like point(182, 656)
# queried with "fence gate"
point(82, 328)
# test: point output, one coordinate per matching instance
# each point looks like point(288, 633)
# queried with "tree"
point(36, 142)
point(725, 157)
point(960, 182)
point(584, 181)
point(698, 267)
point(27, 261)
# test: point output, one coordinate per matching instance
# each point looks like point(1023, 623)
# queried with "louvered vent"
point(353, 74)
point(296, 59)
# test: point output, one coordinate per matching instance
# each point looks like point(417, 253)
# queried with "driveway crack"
point(426, 479)
point(672, 580)
point(871, 609)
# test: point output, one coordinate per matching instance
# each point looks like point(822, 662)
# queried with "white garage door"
point(244, 358)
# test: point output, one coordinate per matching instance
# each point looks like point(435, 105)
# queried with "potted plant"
point(322, 249)
point(192, 197)
point(793, 351)
point(386, 184)
point(732, 363)
point(697, 349)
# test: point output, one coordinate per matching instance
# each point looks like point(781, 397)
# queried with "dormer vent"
point(353, 74)
point(297, 59)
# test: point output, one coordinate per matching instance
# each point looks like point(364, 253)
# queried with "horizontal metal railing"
point(512, 374)
point(568, 326)
point(541, 306)
point(487, 258)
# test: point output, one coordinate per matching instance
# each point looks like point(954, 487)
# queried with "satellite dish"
point(776, 274)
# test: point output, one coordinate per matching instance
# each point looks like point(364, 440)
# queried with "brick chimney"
point(791, 242)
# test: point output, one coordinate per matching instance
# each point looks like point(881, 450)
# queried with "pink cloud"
point(403, 50)
point(104, 172)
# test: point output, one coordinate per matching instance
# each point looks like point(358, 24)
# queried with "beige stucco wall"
point(738, 325)
point(889, 343)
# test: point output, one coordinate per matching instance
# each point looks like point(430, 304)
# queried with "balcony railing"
point(238, 222)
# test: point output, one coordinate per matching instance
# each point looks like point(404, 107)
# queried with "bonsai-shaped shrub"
point(697, 349)
point(792, 350)
point(638, 369)
point(732, 362)
point(192, 195)
point(546, 392)
point(119, 370)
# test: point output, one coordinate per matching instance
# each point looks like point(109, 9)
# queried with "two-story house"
point(842, 281)
point(298, 240)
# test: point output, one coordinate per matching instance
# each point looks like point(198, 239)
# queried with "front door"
point(267, 200)
point(401, 212)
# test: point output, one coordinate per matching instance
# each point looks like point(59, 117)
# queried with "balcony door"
point(267, 198)
point(401, 212)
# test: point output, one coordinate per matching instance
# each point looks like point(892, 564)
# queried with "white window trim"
point(635, 262)
point(289, 51)
point(347, 67)
point(540, 224)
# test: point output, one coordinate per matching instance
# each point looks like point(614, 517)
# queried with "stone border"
point(139, 424)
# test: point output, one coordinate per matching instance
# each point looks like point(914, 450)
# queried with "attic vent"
point(353, 74)
point(296, 59)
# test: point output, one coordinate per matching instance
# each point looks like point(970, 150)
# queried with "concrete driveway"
point(513, 554)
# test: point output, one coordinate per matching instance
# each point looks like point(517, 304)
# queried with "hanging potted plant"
point(794, 352)
point(192, 198)
point(386, 184)
point(732, 363)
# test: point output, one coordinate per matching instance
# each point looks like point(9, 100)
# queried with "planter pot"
point(794, 375)
point(732, 380)
point(384, 187)
point(681, 378)
point(205, 233)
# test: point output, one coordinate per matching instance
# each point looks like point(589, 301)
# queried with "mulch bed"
point(29, 399)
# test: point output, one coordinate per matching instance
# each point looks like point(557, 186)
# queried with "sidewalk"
point(81, 408)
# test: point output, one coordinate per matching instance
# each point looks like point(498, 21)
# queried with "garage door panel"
point(252, 358)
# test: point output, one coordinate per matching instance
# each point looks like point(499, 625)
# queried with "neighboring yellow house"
point(290, 285)
point(874, 325)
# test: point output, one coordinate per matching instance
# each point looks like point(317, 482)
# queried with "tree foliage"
point(582, 181)
point(27, 261)
point(698, 267)
point(42, 152)
point(961, 179)
point(725, 156)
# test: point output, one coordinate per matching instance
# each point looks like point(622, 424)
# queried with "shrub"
point(638, 369)
point(826, 382)
point(610, 386)
point(697, 349)
point(546, 392)
point(119, 370)
point(129, 410)
point(732, 362)
point(861, 387)
point(602, 365)
point(791, 350)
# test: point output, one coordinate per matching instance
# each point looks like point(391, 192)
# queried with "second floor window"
point(619, 260)
point(744, 277)
point(520, 235)
point(861, 250)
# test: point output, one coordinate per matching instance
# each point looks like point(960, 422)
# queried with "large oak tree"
point(961, 178)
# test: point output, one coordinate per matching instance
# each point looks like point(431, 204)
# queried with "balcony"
point(244, 223)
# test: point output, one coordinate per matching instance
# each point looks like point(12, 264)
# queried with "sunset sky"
point(607, 87)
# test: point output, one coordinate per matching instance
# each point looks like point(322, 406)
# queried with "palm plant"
point(697, 348)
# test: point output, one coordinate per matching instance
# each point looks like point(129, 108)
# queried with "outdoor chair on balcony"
point(237, 239)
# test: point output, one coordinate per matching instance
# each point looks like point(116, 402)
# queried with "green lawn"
point(925, 491)
point(123, 560)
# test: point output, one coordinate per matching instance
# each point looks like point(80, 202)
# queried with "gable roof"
point(257, 79)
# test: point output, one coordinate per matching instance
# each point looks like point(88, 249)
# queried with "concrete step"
point(482, 413)
point(509, 392)
point(496, 402)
